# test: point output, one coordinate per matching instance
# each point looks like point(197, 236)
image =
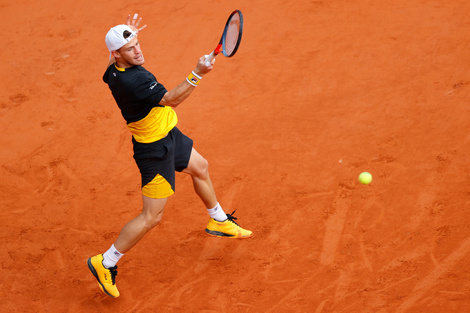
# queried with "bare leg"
point(152, 211)
point(133, 231)
point(198, 168)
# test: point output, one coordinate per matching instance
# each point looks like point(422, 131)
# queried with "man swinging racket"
point(160, 148)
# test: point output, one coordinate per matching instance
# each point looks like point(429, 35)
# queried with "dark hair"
point(126, 34)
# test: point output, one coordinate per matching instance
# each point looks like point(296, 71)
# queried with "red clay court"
point(318, 92)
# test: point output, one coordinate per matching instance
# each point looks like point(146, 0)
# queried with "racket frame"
point(221, 45)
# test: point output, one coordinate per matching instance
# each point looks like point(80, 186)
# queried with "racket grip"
point(209, 58)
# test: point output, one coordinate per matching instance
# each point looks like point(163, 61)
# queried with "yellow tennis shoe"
point(106, 277)
point(228, 228)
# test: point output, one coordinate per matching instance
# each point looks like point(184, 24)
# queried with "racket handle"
point(209, 58)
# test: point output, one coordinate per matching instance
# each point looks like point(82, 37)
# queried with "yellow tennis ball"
point(365, 178)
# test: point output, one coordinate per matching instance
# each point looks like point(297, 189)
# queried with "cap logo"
point(128, 35)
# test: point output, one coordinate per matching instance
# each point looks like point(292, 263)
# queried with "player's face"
point(130, 54)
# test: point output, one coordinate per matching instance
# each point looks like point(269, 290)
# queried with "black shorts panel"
point(163, 157)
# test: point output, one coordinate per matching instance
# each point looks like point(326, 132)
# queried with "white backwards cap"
point(115, 37)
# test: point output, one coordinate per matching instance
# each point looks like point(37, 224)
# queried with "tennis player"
point(160, 148)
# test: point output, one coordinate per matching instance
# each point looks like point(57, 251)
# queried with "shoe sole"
point(93, 271)
point(224, 235)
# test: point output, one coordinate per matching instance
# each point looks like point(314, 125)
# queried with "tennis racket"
point(231, 37)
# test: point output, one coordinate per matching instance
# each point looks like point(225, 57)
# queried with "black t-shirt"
point(135, 90)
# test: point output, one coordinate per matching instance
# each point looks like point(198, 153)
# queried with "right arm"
point(181, 92)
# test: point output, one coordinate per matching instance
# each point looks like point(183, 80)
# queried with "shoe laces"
point(232, 218)
point(113, 271)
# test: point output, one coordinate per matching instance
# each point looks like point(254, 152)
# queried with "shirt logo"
point(152, 85)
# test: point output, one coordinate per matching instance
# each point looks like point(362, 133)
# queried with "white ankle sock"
point(111, 257)
point(217, 213)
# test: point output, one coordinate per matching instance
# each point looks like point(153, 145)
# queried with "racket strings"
point(232, 35)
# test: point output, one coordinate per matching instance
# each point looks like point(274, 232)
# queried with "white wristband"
point(196, 75)
point(193, 79)
point(190, 82)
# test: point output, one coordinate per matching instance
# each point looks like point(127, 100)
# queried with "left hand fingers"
point(140, 29)
point(134, 23)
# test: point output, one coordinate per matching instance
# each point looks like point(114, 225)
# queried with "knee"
point(152, 221)
point(202, 170)
point(152, 212)
point(152, 218)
